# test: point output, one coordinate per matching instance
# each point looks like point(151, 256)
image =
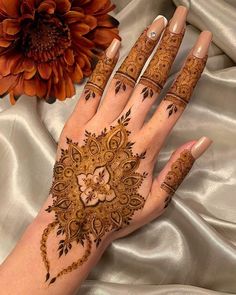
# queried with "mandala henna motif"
point(157, 71)
point(182, 88)
point(101, 74)
point(95, 191)
point(179, 169)
point(131, 68)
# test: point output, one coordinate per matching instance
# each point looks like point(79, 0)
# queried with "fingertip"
point(201, 146)
point(113, 48)
point(202, 44)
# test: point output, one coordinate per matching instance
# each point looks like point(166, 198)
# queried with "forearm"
point(24, 270)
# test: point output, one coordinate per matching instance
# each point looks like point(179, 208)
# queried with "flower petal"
point(103, 37)
point(28, 65)
point(6, 83)
point(100, 6)
point(5, 43)
point(69, 57)
point(79, 28)
point(73, 17)
point(91, 21)
point(107, 21)
point(79, 40)
point(70, 89)
point(63, 6)
point(48, 6)
point(41, 88)
point(27, 8)
point(18, 89)
point(10, 7)
point(8, 62)
point(77, 74)
point(29, 75)
point(29, 87)
point(60, 90)
point(11, 26)
point(45, 70)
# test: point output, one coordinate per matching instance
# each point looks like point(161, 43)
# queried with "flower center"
point(45, 39)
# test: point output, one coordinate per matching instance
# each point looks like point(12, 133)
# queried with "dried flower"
point(48, 45)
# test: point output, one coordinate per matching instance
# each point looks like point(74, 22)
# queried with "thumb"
point(172, 175)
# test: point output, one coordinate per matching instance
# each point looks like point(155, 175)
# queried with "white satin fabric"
point(191, 248)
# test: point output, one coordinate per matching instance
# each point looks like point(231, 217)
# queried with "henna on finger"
point(131, 68)
point(182, 88)
point(179, 169)
point(158, 69)
point(102, 72)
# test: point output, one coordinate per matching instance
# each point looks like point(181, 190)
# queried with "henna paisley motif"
point(157, 71)
point(95, 191)
point(131, 68)
point(99, 77)
point(179, 169)
point(182, 88)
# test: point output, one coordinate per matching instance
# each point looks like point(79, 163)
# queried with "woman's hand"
point(103, 186)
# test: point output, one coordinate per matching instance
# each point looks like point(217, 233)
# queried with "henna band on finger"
point(158, 69)
point(183, 86)
point(131, 68)
point(101, 74)
point(179, 169)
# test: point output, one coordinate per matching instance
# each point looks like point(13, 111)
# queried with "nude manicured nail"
point(113, 48)
point(178, 20)
point(200, 147)
point(157, 27)
point(201, 47)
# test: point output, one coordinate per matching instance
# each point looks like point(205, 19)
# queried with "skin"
point(24, 269)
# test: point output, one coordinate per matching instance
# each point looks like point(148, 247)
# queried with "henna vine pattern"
point(95, 191)
point(157, 71)
point(101, 74)
point(131, 68)
point(179, 169)
point(182, 88)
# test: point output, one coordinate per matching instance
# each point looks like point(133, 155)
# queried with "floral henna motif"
point(95, 191)
point(101, 74)
point(182, 88)
point(131, 68)
point(179, 169)
point(157, 71)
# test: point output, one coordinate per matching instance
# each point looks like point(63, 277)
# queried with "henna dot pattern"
point(95, 191)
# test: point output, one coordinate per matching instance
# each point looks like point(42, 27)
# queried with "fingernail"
point(178, 20)
point(202, 44)
point(113, 48)
point(200, 147)
point(157, 27)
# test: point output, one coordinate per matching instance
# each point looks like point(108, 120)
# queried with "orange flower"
point(48, 45)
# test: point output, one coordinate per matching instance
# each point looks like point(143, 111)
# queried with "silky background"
point(191, 249)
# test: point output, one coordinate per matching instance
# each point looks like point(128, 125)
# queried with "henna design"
point(179, 169)
point(94, 190)
point(157, 71)
point(131, 68)
point(182, 88)
point(101, 74)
